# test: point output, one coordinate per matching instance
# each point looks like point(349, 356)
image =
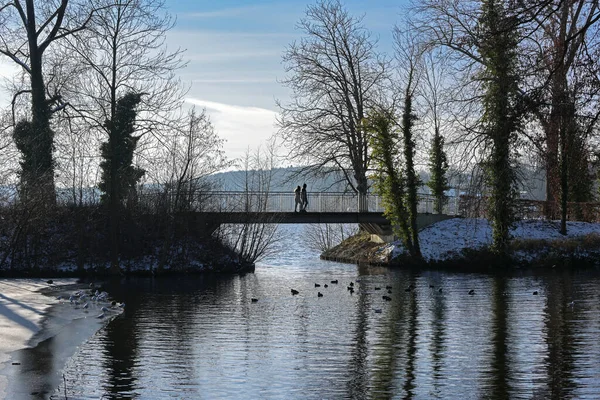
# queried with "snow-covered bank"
point(28, 316)
point(447, 240)
point(22, 309)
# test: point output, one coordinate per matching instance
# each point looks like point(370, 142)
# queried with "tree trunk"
point(567, 132)
point(40, 181)
point(553, 139)
point(113, 205)
point(412, 182)
point(362, 187)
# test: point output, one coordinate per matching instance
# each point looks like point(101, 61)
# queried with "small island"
point(463, 244)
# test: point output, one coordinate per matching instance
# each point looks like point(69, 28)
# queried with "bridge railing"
point(229, 201)
point(280, 202)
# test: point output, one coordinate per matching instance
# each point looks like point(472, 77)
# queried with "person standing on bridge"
point(297, 199)
point(304, 199)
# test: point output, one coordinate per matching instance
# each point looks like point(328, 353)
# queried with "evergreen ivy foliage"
point(119, 176)
point(389, 182)
point(412, 180)
point(35, 143)
point(501, 119)
point(438, 167)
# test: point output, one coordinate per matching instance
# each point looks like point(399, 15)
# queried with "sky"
point(234, 50)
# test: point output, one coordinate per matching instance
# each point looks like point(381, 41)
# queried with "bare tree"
point(336, 77)
point(562, 48)
point(197, 152)
point(178, 179)
point(194, 152)
point(433, 93)
point(123, 51)
point(322, 237)
point(254, 241)
point(29, 28)
point(77, 162)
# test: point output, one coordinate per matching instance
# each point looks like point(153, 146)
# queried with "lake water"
point(204, 338)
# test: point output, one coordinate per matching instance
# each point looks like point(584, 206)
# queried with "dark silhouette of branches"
point(335, 76)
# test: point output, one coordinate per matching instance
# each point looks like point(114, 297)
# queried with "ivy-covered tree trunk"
point(29, 29)
point(119, 176)
point(389, 182)
point(412, 181)
point(501, 119)
point(438, 167)
point(35, 141)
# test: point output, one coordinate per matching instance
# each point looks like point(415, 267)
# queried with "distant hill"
point(532, 182)
point(282, 180)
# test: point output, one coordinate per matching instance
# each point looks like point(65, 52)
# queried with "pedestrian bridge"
point(211, 209)
point(340, 203)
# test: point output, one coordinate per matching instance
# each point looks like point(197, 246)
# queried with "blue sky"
point(234, 49)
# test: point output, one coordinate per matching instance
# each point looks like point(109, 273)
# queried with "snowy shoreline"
point(449, 239)
point(463, 243)
point(31, 313)
point(22, 309)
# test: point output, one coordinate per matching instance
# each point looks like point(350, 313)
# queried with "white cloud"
point(224, 12)
point(242, 127)
point(234, 81)
point(230, 56)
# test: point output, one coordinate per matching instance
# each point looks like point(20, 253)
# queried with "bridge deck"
point(296, 217)
point(284, 203)
point(373, 222)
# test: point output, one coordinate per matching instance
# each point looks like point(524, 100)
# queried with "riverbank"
point(22, 308)
point(31, 314)
point(75, 243)
point(461, 242)
point(195, 257)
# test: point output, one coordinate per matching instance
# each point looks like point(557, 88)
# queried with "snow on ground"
point(26, 316)
point(446, 239)
point(22, 308)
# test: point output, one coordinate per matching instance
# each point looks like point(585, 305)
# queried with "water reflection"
point(499, 370)
point(358, 366)
point(438, 336)
point(37, 371)
point(411, 348)
point(119, 355)
point(203, 337)
point(560, 337)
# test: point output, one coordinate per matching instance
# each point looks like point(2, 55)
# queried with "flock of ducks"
point(352, 287)
point(86, 299)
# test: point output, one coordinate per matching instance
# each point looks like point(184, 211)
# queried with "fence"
point(152, 201)
point(476, 207)
point(228, 201)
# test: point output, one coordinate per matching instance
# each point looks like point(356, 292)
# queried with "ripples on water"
point(203, 338)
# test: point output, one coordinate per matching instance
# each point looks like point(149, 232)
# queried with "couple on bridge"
point(300, 198)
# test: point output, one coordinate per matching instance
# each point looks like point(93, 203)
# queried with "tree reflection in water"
point(498, 373)
point(203, 337)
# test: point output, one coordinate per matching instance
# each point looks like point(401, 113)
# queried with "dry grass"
point(566, 245)
point(357, 248)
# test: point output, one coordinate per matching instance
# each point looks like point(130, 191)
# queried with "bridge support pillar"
point(383, 233)
point(380, 233)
